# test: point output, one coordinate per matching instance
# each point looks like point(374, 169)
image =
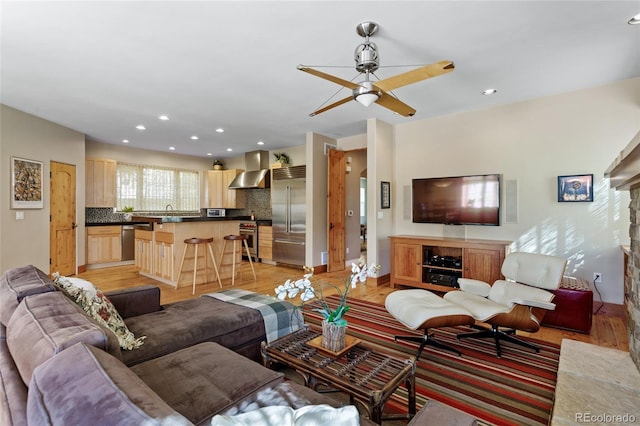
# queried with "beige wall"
point(534, 142)
point(24, 242)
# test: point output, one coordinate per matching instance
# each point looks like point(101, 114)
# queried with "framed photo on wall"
point(385, 195)
point(26, 184)
point(575, 188)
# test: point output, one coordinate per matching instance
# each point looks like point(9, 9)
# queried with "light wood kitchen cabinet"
point(104, 244)
point(218, 193)
point(100, 182)
point(407, 262)
point(144, 251)
point(163, 255)
point(265, 242)
point(436, 263)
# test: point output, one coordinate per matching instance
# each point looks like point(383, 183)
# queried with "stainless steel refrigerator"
point(288, 186)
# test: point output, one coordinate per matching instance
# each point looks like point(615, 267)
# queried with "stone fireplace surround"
point(624, 174)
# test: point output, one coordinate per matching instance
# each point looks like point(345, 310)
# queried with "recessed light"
point(141, 127)
point(163, 118)
point(489, 91)
point(194, 138)
point(209, 154)
point(229, 149)
point(125, 140)
point(260, 143)
point(220, 130)
point(635, 20)
point(172, 148)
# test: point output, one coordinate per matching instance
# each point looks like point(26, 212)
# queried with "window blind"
point(153, 188)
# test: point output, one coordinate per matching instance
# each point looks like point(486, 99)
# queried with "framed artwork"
point(575, 188)
point(385, 195)
point(26, 184)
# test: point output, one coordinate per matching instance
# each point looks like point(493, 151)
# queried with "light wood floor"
point(608, 330)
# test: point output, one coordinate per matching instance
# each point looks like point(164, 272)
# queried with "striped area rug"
point(516, 389)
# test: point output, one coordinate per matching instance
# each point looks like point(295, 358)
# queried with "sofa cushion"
point(204, 380)
point(18, 283)
point(46, 324)
point(97, 305)
point(13, 391)
point(187, 323)
point(86, 386)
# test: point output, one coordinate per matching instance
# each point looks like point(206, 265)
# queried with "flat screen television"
point(459, 200)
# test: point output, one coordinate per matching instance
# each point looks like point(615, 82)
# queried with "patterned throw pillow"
point(99, 307)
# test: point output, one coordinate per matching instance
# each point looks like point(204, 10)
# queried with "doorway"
point(62, 224)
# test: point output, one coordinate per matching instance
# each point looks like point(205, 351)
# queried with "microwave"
point(216, 213)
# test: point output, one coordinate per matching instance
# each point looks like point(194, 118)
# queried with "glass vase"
point(333, 336)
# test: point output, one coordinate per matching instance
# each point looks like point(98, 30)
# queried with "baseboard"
point(82, 268)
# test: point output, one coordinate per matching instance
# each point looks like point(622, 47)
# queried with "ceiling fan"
point(367, 92)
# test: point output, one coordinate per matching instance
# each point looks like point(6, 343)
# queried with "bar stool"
point(195, 242)
point(242, 239)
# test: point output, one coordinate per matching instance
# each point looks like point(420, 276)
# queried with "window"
point(152, 188)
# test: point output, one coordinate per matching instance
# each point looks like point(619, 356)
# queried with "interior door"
point(336, 203)
point(62, 228)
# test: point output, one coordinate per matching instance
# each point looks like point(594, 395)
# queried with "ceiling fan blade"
point(333, 105)
point(416, 75)
point(337, 80)
point(395, 105)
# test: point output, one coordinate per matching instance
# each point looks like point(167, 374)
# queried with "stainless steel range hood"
point(256, 174)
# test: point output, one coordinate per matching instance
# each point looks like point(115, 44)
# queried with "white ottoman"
point(421, 309)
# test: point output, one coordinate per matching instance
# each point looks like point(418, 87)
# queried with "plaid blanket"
point(280, 317)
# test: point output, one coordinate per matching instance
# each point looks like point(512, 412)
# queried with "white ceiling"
point(101, 68)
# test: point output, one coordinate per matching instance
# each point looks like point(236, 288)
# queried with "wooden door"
point(482, 264)
point(62, 228)
point(336, 206)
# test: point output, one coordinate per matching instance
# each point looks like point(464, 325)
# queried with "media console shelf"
point(435, 263)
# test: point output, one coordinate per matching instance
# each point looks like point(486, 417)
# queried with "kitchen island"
point(158, 252)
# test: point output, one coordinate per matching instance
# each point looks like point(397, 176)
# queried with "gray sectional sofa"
point(58, 366)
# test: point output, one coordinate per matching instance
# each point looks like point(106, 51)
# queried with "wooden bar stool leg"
point(195, 269)
point(246, 245)
point(233, 267)
point(215, 267)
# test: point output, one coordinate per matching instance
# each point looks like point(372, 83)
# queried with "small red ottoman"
point(574, 306)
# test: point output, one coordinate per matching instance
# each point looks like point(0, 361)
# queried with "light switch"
point(19, 215)
point(380, 215)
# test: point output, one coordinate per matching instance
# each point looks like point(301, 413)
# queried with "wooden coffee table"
point(366, 375)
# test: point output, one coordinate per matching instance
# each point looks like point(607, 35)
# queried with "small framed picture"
point(575, 188)
point(26, 184)
point(385, 195)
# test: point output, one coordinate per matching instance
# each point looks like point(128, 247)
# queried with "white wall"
point(380, 167)
point(23, 135)
point(534, 142)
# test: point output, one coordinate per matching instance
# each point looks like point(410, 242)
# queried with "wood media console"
point(435, 263)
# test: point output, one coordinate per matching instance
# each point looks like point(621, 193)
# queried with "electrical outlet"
point(347, 250)
point(597, 277)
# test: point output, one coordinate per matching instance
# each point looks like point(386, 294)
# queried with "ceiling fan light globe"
point(366, 93)
point(367, 98)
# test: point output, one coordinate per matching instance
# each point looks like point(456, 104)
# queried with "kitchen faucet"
point(168, 207)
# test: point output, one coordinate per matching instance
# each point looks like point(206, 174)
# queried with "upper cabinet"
point(218, 193)
point(100, 183)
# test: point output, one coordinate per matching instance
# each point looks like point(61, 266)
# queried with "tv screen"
point(460, 200)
